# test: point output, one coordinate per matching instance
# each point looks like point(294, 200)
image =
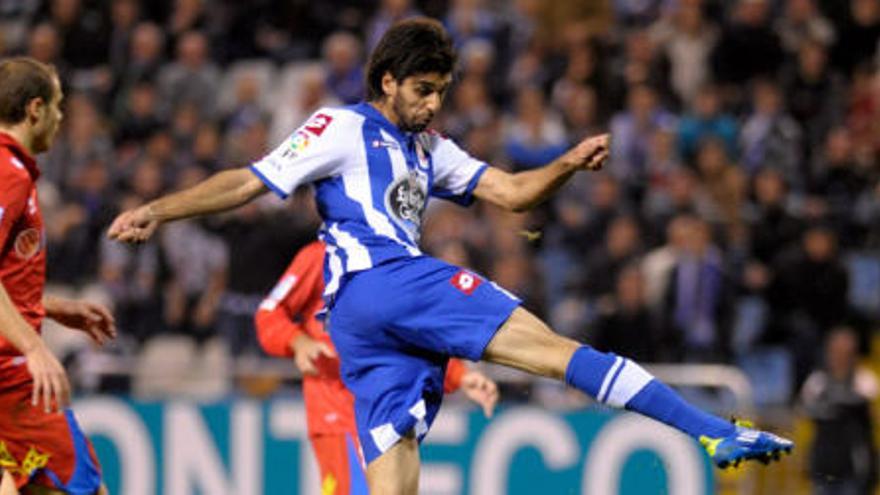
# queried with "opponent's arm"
point(50, 381)
point(94, 319)
point(524, 190)
point(222, 191)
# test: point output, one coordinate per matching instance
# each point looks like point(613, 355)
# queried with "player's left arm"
point(524, 190)
point(92, 318)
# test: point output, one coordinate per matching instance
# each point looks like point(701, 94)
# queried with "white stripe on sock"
point(631, 381)
point(618, 362)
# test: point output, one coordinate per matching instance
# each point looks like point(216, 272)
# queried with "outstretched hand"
point(591, 153)
point(480, 389)
point(133, 226)
point(93, 319)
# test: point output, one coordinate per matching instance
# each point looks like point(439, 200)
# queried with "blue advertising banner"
point(247, 447)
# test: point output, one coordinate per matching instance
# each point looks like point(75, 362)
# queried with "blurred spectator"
point(698, 300)
point(85, 140)
point(626, 326)
point(636, 12)
point(581, 113)
point(468, 20)
point(633, 131)
point(603, 264)
point(84, 32)
point(838, 397)
point(197, 263)
point(721, 196)
point(583, 71)
point(679, 197)
point(15, 19)
point(192, 77)
point(814, 94)
point(770, 137)
point(838, 183)
point(857, 35)
point(657, 264)
point(45, 45)
point(706, 119)
point(311, 95)
point(139, 117)
point(807, 295)
point(687, 39)
point(747, 34)
point(124, 16)
point(75, 228)
point(863, 111)
point(470, 108)
point(186, 16)
point(534, 136)
point(774, 229)
point(247, 107)
point(343, 62)
point(389, 12)
point(143, 60)
point(802, 22)
point(641, 64)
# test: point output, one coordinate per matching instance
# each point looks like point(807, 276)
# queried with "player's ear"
point(389, 85)
point(35, 109)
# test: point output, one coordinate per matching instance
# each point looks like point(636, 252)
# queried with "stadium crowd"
point(737, 221)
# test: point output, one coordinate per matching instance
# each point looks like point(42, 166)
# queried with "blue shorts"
point(395, 326)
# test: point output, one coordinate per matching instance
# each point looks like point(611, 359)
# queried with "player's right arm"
point(277, 332)
point(222, 191)
point(312, 152)
point(50, 381)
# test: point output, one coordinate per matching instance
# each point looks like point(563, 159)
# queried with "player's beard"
point(408, 120)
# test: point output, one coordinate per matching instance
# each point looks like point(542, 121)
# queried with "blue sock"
point(619, 382)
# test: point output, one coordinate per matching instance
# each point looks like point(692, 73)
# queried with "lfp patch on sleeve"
point(318, 123)
point(466, 281)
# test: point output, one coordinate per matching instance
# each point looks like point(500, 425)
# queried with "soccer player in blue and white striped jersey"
point(397, 315)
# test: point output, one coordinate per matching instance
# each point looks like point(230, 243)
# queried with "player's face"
point(417, 99)
point(48, 120)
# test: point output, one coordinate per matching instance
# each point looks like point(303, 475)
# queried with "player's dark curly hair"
point(23, 79)
point(414, 46)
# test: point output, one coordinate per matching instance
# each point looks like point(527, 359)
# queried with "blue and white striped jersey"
point(371, 182)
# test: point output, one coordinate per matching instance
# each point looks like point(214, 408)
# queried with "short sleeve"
point(456, 173)
point(314, 151)
point(15, 189)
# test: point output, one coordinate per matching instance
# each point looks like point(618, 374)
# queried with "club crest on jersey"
point(466, 282)
point(28, 243)
point(405, 199)
point(318, 123)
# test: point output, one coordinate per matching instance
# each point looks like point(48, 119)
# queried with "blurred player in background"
point(288, 326)
point(397, 315)
point(42, 449)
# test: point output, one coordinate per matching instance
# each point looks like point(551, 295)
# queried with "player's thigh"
point(396, 472)
point(527, 343)
point(7, 485)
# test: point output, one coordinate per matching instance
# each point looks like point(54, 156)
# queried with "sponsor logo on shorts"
point(33, 461)
point(318, 123)
point(28, 243)
point(466, 282)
